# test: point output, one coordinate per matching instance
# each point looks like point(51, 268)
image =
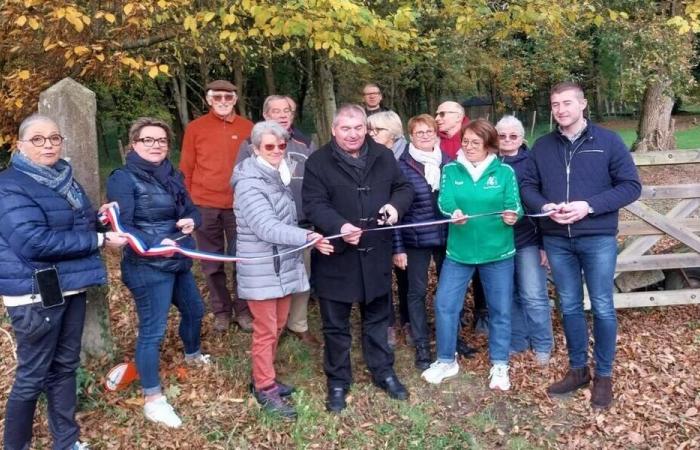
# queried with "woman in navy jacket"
point(47, 223)
point(421, 164)
point(155, 207)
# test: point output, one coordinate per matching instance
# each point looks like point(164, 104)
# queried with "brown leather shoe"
point(245, 322)
point(573, 380)
point(222, 322)
point(305, 337)
point(601, 393)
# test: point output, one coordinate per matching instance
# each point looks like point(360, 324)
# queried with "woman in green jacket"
point(483, 193)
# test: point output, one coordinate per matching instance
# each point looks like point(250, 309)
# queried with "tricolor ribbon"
point(111, 216)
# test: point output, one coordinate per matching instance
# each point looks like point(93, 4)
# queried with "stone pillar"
point(73, 107)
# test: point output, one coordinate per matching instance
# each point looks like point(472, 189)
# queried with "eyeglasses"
point(443, 113)
point(281, 111)
point(375, 130)
point(474, 143)
point(223, 97)
point(270, 147)
point(38, 141)
point(512, 137)
point(426, 133)
point(370, 94)
point(150, 142)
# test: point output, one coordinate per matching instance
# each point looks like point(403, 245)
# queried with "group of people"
point(263, 191)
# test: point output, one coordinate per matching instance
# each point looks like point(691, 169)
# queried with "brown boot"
point(602, 392)
point(305, 336)
point(573, 380)
point(222, 322)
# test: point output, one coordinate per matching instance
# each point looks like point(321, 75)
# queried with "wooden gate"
point(650, 225)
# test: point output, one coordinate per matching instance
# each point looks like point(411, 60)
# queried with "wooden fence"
point(650, 225)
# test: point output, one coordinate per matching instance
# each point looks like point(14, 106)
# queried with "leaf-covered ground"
point(657, 393)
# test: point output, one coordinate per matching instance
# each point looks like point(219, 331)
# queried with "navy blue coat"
point(40, 229)
point(423, 209)
point(148, 211)
point(597, 168)
point(527, 231)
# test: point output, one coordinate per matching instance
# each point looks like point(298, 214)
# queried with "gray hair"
point(509, 121)
point(31, 120)
point(267, 127)
point(271, 98)
point(389, 120)
point(349, 109)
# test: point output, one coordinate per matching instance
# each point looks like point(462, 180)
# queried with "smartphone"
point(49, 287)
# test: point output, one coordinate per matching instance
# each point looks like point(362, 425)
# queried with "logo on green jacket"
point(491, 183)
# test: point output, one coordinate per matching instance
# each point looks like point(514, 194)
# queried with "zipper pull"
point(568, 170)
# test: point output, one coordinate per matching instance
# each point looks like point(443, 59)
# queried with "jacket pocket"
point(30, 322)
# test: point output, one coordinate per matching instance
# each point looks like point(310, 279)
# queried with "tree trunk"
point(323, 98)
point(239, 78)
point(269, 77)
point(655, 130)
point(179, 88)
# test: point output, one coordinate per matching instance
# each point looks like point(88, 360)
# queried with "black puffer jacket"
point(148, 211)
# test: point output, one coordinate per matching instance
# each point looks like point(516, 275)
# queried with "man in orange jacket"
point(209, 151)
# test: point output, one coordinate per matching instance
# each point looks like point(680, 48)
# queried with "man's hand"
point(557, 216)
point(114, 239)
point(388, 215)
point(322, 245)
point(354, 233)
point(571, 212)
point(544, 261)
point(458, 214)
point(186, 225)
point(509, 217)
point(400, 260)
point(106, 206)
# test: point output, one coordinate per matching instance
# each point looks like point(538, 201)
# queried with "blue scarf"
point(165, 174)
point(58, 177)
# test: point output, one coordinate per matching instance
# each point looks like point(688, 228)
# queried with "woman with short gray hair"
point(266, 219)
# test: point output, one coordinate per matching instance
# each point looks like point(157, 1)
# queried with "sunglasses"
point(512, 137)
point(444, 113)
point(270, 147)
point(223, 97)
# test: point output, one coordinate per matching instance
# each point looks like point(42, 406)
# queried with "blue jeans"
point(154, 291)
point(497, 279)
point(531, 319)
point(596, 257)
point(46, 362)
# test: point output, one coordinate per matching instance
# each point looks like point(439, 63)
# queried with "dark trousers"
point(48, 354)
point(218, 235)
point(336, 333)
point(480, 309)
point(402, 292)
point(417, 280)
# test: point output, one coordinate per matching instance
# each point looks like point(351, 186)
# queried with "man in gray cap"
point(209, 151)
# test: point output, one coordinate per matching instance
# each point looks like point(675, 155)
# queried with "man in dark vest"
point(350, 185)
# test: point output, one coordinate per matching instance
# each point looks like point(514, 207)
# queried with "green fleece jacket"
point(482, 239)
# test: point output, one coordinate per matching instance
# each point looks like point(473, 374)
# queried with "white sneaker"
point(160, 411)
point(499, 377)
point(440, 371)
point(80, 446)
point(200, 360)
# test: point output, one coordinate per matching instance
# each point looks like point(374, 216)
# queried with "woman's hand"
point(458, 214)
point(400, 260)
point(114, 239)
point(186, 225)
point(353, 238)
point(544, 261)
point(322, 245)
point(509, 217)
point(106, 206)
point(168, 241)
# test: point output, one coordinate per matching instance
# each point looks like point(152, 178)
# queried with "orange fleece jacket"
point(209, 152)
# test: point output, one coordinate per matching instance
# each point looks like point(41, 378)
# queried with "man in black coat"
point(352, 184)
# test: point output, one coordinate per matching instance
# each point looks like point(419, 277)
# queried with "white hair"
point(509, 121)
point(31, 120)
point(267, 127)
point(389, 120)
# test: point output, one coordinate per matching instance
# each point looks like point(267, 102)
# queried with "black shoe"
point(392, 386)
point(464, 350)
point(271, 401)
point(285, 389)
point(423, 358)
point(335, 402)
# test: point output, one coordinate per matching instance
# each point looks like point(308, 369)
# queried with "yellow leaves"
point(109, 17)
point(33, 23)
point(164, 69)
point(19, 103)
point(128, 9)
point(162, 4)
point(224, 34)
point(100, 57)
point(286, 46)
point(130, 62)
point(190, 23)
point(208, 16)
point(23, 74)
point(21, 20)
point(681, 24)
point(153, 71)
point(81, 50)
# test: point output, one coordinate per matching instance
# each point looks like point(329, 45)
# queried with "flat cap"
point(221, 85)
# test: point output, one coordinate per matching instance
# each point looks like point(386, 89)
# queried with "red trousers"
point(269, 318)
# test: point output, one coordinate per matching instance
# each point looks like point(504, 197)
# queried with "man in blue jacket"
point(585, 174)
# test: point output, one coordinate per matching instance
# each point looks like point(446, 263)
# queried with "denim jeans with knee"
point(154, 291)
point(596, 256)
point(497, 279)
point(531, 315)
point(46, 362)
